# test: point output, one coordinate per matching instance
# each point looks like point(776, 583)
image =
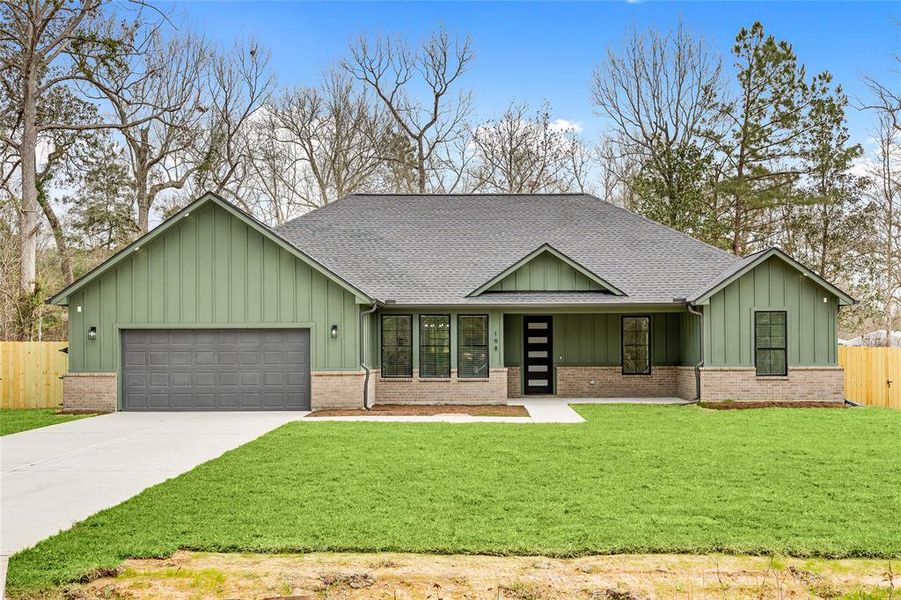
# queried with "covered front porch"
point(637, 354)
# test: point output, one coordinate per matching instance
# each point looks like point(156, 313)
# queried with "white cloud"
point(566, 125)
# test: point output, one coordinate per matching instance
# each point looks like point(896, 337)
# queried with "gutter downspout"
point(700, 364)
point(363, 364)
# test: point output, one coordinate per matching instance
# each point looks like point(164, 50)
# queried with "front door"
point(539, 354)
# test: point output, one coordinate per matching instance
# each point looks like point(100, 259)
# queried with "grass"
point(632, 479)
point(23, 419)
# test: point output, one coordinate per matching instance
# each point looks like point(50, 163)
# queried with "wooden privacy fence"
point(872, 375)
point(29, 374)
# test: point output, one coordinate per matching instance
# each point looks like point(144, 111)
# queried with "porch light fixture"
point(92, 333)
point(334, 332)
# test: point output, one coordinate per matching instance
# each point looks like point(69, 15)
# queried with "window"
point(472, 346)
point(636, 345)
point(769, 342)
point(397, 346)
point(434, 345)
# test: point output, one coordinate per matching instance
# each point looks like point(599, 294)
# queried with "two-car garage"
point(215, 369)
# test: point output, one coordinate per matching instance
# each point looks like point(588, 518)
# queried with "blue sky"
point(547, 51)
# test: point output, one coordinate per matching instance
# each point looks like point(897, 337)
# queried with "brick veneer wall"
point(609, 382)
point(453, 390)
point(514, 383)
point(686, 384)
point(95, 392)
point(338, 389)
point(803, 384)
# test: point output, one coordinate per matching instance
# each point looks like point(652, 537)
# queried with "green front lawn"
point(631, 479)
point(23, 419)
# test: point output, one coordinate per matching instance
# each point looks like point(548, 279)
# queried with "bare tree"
point(616, 171)
point(240, 84)
point(886, 98)
point(524, 153)
point(276, 186)
point(163, 80)
point(660, 92)
point(335, 132)
point(395, 72)
point(886, 195)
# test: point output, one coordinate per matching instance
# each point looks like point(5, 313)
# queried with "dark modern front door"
point(539, 353)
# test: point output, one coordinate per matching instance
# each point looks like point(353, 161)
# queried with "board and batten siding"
point(595, 339)
point(211, 269)
point(772, 285)
point(545, 272)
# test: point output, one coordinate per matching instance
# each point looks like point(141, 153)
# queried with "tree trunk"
point(142, 196)
point(28, 214)
point(65, 261)
point(420, 167)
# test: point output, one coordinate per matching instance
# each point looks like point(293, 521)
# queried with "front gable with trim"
point(208, 267)
point(772, 283)
point(546, 270)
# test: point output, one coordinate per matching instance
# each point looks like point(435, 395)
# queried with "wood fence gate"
point(872, 375)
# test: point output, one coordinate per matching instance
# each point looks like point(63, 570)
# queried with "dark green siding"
point(211, 269)
point(772, 285)
point(595, 339)
point(545, 272)
point(689, 339)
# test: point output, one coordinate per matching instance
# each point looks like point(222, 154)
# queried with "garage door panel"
point(181, 379)
point(206, 337)
point(204, 379)
point(158, 400)
point(251, 357)
point(204, 399)
point(159, 379)
point(250, 379)
point(216, 369)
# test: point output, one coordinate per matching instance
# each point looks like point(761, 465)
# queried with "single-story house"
point(441, 299)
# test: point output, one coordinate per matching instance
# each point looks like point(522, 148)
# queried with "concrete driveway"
point(57, 475)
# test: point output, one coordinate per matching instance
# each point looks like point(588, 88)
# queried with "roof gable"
point(546, 269)
point(750, 262)
point(61, 297)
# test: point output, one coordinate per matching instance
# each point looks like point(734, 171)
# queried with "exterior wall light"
point(334, 332)
point(92, 334)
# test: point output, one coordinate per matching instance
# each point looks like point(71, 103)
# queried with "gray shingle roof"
point(436, 249)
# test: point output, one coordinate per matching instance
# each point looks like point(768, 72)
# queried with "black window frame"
point(409, 373)
point(460, 346)
point(447, 317)
point(783, 348)
point(622, 345)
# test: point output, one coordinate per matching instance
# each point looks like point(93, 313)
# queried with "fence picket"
point(29, 374)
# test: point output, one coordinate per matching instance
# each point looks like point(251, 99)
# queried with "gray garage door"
point(216, 369)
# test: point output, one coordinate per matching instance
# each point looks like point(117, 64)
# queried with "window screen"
point(636, 345)
point(472, 346)
point(434, 345)
point(397, 345)
point(769, 342)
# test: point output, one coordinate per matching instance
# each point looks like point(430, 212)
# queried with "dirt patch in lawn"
point(742, 405)
point(386, 410)
point(407, 576)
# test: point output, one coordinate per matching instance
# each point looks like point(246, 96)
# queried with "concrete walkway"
point(54, 476)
